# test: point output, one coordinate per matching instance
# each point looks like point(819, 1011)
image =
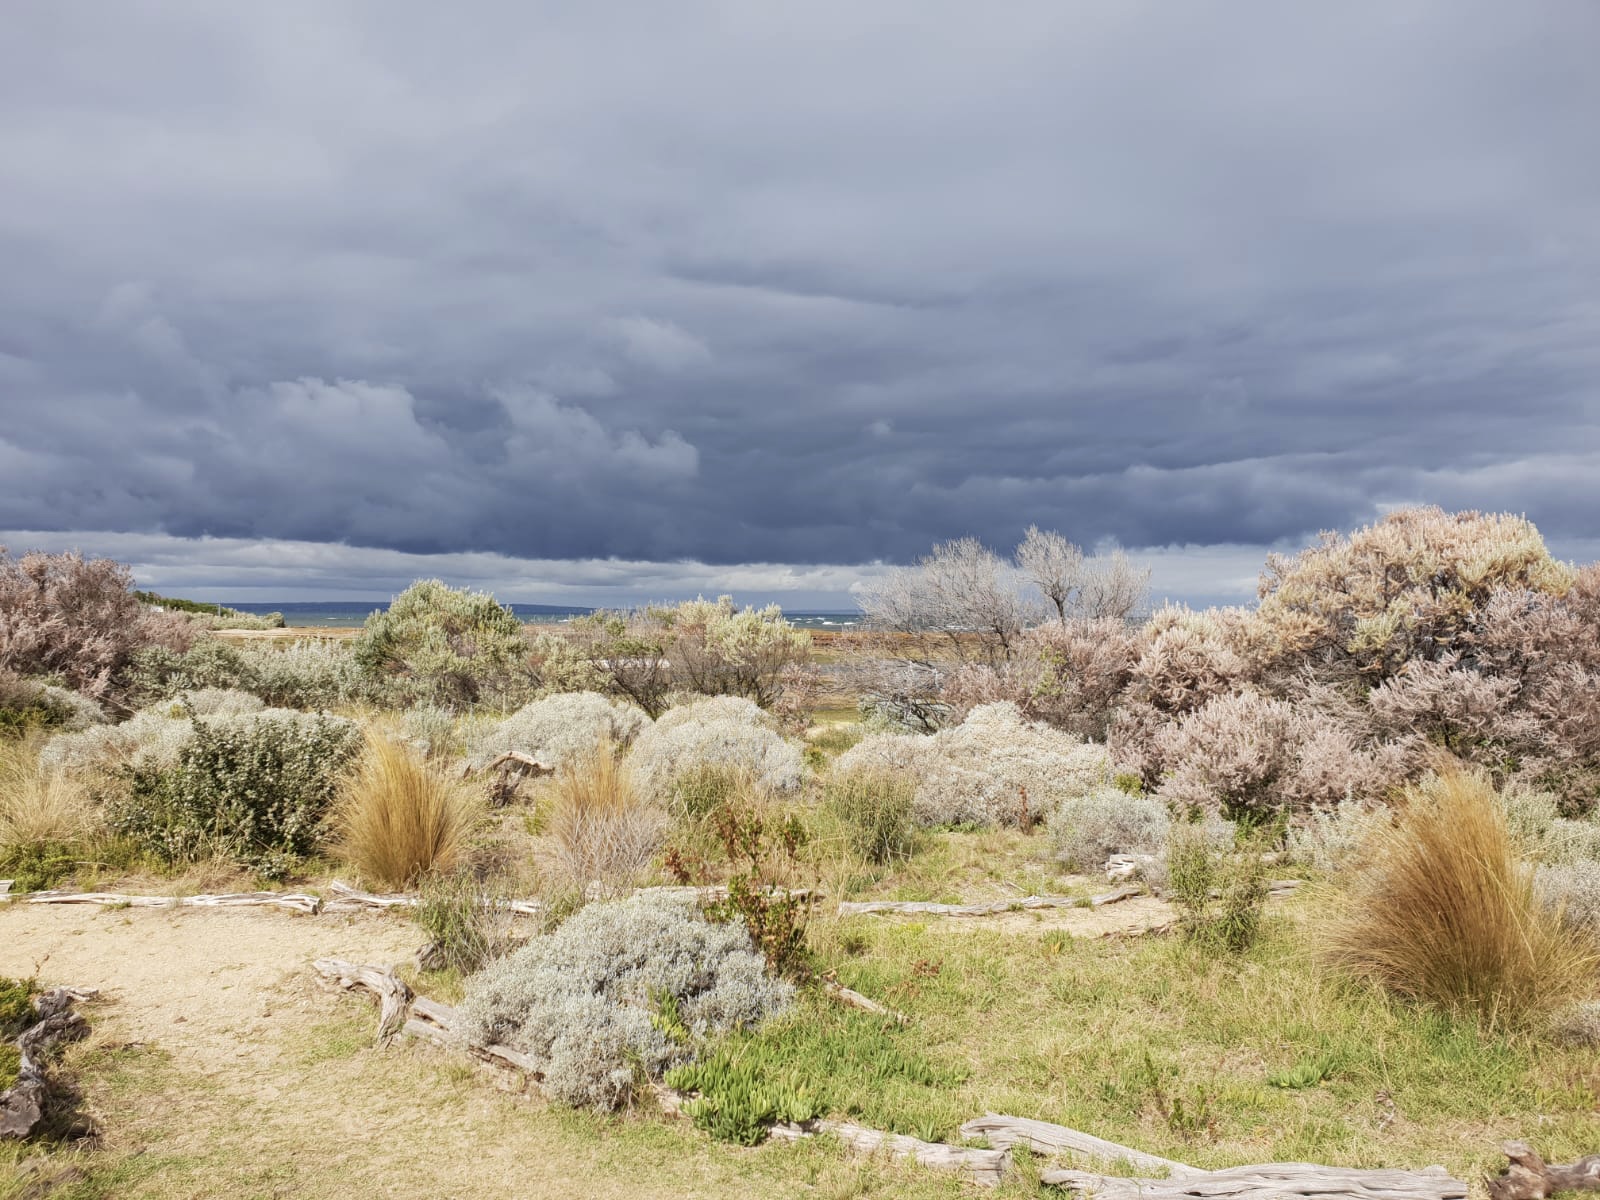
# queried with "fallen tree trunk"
point(993, 908)
point(983, 1167)
point(294, 901)
point(350, 899)
point(856, 1000)
point(1269, 1181)
point(23, 1105)
point(1045, 1138)
point(1529, 1177)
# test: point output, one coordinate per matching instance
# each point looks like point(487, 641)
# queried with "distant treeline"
point(229, 617)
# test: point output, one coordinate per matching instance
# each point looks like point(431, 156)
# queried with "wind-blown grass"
point(400, 817)
point(1445, 912)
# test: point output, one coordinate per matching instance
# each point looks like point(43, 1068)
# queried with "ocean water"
point(350, 613)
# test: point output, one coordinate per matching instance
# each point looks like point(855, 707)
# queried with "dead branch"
point(1529, 1177)
point(394, 996)
point(984, 1167)
point(1269, 1181)
point(294, 901)
point(856, 1000)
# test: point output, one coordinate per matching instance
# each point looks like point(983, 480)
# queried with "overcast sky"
point(621, 301)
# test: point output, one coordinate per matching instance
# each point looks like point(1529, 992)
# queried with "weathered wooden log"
point(993, 908)
point(1269, 1181)
point(1529, 1177)
point(23, 1105)
point(351, 899)
point(1122, 867)
point(855, 999)
point(533, 766)
point(394, 997)
point(984, 1167)
point(294, 901)
point(1004, 1132)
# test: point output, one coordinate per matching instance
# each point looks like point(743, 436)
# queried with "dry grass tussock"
point(400, 817)
point(38, 808)
point(602, 832)
point(1445, 912)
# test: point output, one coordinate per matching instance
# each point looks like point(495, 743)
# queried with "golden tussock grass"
point(1443, 911)
point(400, 817)
point(39, 808)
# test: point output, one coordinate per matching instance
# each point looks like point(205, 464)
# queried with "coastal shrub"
point(399, 816)
point(624, 989)
point(430, 729)
point(995, 768)
point(1572, 890)
point(1443, 910)
point(213, 702)
point(76, 619)
point(876, 810)
point(1086, 830)
point(161, 672)
point(465, 920)
point(724, 732)
point(561, 729)
point(1331, 840)
point(602, 831)
point(1218, 887)
point(149, 738)
point(256, 789)
point(447, 646)
point(28, 704)
point(308, 674)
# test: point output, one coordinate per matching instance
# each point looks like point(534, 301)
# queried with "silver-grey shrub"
point(722, 732)
point(580, 1000)
point(562, 729)
point(1574, 890)
point(1088, 829)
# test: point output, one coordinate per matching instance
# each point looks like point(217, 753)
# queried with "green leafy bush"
point(877, 811)
point(1220, 892)
point(255, 789)
point(447, 646)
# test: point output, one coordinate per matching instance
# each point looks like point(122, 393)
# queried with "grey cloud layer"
point(824, 284)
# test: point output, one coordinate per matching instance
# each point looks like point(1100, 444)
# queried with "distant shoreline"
point(315, 616)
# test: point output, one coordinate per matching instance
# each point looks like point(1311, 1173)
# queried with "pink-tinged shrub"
point(76, 618)
point(1068, 674)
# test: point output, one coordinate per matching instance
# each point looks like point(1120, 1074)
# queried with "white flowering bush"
point(561, 729)
point(724, 732)
point(1086, 830)
point(622, 987)
point(995, 768)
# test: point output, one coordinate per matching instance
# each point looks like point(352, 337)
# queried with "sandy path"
point(247, 1080)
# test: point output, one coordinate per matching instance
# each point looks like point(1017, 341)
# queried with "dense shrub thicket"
point(623, 988)
point(446, 645)
point(1368, 655)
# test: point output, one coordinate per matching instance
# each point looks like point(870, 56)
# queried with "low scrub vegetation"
point(621, 991)
point(602, 831)
point(561, 729)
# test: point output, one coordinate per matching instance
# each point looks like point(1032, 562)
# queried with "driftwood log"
point(1269, 1181)
point(1529, 1177)
point(349, 899)
point(23, 1105)
point(1045, 1138)
point(866, 1004)
point(394, 997)
point(294, 901)
point(983, 1167)
point(993, 908)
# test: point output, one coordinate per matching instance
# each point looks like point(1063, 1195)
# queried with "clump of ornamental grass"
point(44, 819)
point(1444, 911)
point(400, 816)
point(876, 810)
point(602, 832)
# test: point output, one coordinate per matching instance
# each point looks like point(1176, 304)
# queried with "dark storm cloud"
point(812, 285)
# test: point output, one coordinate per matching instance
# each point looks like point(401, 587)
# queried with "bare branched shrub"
point(1443, 910)
point(602, 832)
point(399, 817)
point(1070, 674)
point(1088, 829)
point(562, 729)
point(621, 991)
